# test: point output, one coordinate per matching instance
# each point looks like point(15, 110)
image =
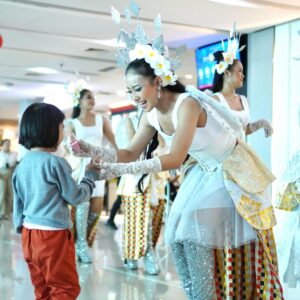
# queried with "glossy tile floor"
point(105, 279)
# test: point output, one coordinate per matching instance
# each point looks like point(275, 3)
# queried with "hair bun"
point(218, 56)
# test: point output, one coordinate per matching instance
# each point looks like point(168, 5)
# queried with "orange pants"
point(50, 255)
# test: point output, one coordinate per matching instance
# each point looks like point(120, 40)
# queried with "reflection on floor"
point(105, 279)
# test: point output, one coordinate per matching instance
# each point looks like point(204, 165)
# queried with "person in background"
point(43, 188)
point(8, 161)
point(224, 90)
point(143, 212)
point(93, 128)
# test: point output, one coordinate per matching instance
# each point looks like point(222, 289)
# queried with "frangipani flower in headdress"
point(75, 87)
point(229, 54)
point(221, 67)
point(137, 46)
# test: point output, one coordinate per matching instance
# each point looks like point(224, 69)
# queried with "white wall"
point(286, 95)
point(260, 94)
point(274, 92)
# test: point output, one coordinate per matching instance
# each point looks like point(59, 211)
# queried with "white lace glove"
point(113, 170)
point(83, 149)
point(266, 125)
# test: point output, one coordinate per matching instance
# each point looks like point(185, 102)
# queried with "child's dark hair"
point(40, 126)
point(219, 78)
point(77, 109)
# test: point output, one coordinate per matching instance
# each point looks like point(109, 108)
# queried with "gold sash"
point(244, 168)
point(247, 170)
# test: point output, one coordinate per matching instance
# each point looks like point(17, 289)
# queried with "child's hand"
point(75, 147)
point(93, 165)
point(74, 144)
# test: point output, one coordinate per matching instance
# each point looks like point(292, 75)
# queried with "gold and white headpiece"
point(229, 54)
point(75, 87)
point(136, 45)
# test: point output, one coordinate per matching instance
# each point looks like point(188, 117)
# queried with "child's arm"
point(72, 192)
point(18, 207)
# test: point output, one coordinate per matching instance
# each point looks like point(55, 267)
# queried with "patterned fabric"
point(136, 220)
point(157, 213)
point(289, 199)
point(91, 234)
point(135, 227)
point(248, 272)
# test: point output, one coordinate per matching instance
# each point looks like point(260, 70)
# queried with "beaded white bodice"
point(242, 115)
point(90, 134)
point(210, 145)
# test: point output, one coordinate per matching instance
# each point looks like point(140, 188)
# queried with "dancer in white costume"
point(91, 128)
point(288, 230)
point(226, 81)
point(220, 225)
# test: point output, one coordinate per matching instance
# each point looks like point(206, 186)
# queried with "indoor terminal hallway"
point(104, 279)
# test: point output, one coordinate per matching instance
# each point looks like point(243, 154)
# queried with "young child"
point(43, 187)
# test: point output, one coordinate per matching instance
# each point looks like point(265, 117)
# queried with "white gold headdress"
point(136, 45)
point(229, 54)
point(75, 87)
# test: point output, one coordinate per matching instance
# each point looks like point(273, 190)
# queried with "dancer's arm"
point(190, 116)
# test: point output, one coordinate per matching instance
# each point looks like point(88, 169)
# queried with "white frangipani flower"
point(221, 67)
point(152, 55)
point(138, 52)
point(228, 57)
point(162, 66)
point(169, 79)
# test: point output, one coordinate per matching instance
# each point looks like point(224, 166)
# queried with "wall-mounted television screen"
point(206, 68)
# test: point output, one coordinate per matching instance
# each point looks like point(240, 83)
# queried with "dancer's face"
point(87, 101)
point(236, 76)
point(142, 90)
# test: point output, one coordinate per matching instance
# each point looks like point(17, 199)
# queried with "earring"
point(158, 91)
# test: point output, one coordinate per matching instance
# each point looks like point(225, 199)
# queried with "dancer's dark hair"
point(219, 78)
point(76, 109)
point(141, 67)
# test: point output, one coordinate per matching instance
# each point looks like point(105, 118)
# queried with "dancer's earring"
point(158, 91)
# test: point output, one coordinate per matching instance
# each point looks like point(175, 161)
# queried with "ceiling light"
point(110, 43)
point(121, 93)
point(241, 3)
point(43, 70)
point(188, 76)
point(4, 87)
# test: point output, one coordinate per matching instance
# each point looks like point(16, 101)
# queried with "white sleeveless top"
point(210, 145)
point(91, 134)
point(242, 115)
